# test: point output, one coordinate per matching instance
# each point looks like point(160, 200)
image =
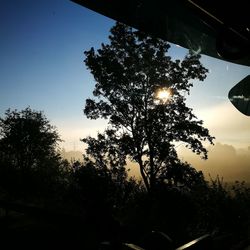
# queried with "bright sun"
point(163, 94)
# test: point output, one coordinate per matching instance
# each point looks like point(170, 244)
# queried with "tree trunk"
point(144, 177)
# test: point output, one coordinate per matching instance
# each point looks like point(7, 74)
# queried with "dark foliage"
point(98, 202)
point(84, 204)
point(128, 73)
point(29, 162)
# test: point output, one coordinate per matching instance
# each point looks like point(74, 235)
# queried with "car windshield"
point(42, 67)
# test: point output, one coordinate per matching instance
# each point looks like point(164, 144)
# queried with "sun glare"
point(163, 95)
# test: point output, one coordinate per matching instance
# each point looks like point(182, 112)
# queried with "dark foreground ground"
point(43, 229)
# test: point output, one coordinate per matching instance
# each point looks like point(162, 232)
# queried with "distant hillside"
point(72, 155)
point(224, 160)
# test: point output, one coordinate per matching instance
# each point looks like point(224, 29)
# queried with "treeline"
point(118, 208)
point(112, 206)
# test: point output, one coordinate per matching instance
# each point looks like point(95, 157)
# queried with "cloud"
point(220, 97)
point(231, 128)
point(227, 124)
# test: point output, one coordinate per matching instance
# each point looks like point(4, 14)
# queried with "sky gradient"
point(41, 66)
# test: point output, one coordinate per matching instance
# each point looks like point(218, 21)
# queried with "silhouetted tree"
point(182, 174)
point(106, 153)
point(129, 71)
point(28, 149)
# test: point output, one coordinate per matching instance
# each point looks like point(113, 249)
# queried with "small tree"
point(129, 73)
point(28, 149)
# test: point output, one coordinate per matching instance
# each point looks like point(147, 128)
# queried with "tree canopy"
point(28, 151)
point(27, 137)
point(129, 72)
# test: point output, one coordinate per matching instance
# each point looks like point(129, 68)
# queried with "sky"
point(41, 66)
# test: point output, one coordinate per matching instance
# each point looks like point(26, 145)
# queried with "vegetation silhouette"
point(129, 73)
point(44, 198)
point(30, 163)
point(143, 128)
point(93, 203)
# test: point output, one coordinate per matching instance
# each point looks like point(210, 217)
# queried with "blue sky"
point(41, 65)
